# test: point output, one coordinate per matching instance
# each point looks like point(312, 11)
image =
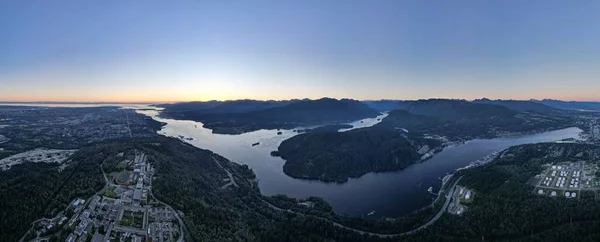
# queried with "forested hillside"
point(185, 109)
point(462, 120)
point(569, 105)
point(506, 208)
point(404, 137)
point(520, 105)
point(336, 156)
point(284, 115)
point(191, 180)
point(32, 190)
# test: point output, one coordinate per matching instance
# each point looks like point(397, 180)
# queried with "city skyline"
point(114, 51)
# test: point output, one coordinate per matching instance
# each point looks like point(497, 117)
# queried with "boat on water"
point(255, 144)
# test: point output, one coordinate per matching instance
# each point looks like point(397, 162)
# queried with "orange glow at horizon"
point(200, 97)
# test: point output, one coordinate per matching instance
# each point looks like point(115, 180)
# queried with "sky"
point(157, 51)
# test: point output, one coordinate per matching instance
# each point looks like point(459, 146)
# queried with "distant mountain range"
point(240, 116)
point(569, 105)
point(232, 106)
point(460, 119)
point(384, 105)
point(538, 106)
point(520, 105)
point(454, 109)
point(409, 131)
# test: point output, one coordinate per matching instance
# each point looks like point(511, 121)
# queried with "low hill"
point(290, 115)
point(336, 156)
point(519, 105)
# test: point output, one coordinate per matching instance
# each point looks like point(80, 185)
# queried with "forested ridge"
point(189, 179)
point(520, 105)
point(336, 156)
point(506, 208)
point(462, 120)
point(397, 141)
point(30, 191)
point(240, 117)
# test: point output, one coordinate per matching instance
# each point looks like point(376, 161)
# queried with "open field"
point(123, 177)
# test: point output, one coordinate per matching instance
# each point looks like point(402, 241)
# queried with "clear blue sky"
point(198, 50)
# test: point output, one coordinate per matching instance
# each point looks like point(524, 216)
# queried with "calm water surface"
point(389, 194)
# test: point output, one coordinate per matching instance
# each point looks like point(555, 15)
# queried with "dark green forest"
point(462, 120)
point(505, 208)
point(33, 190)
point(393, 143)
point(189, 179)
point(241, 117)
point(336, 156)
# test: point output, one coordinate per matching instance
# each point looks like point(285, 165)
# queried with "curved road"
point(231, 180)
point(61, 213)
point(429, 223)
point(362, 232)
point(182, 227)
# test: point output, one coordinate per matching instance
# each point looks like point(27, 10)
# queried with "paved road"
point(129, 229)
point(182, 227)
point(128, 127)
point(231, 180)
point(441, 212)
point(33, 225)
point(61, 213)
point(429, 223)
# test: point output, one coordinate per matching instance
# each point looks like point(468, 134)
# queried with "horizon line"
point(223, 100)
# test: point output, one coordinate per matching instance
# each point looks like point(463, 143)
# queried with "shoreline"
point(286, 177)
